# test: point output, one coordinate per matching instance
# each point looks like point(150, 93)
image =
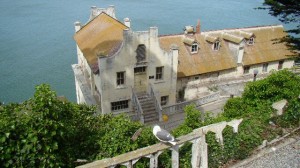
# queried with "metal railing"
point(156, 102)
point(137, 105)
point(179, 107)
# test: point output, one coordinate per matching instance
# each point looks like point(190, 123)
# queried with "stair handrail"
point(138, 106)
point(156, 102)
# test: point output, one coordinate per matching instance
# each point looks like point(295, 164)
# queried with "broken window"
point(141, 53)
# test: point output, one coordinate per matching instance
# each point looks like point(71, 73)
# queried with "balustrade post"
point(175, 156)
point(129, 164)
point(203, 153)
point(154, 159)
point(196, 157)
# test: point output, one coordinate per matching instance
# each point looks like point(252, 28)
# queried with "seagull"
point(163, 135)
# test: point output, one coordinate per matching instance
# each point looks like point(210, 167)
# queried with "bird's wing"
point(164, 135)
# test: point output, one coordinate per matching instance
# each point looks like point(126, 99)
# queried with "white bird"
point(163, 135)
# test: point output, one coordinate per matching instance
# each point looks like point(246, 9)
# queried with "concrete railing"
point(156, 102)
point(199, 149)
point(179, 107)
point(137, 105)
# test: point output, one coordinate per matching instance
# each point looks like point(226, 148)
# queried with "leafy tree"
point(287, 12)
point(47, 132)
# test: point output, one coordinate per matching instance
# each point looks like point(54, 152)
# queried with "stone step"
point(142, 101)
point(150, 119)
point(151, 114)
point(148, 105)
point(148, 108)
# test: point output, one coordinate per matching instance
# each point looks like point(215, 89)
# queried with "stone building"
point(121, 70)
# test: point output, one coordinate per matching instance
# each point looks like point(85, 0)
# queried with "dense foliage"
point(255, 107)
point(287, 12)
point(48, 132)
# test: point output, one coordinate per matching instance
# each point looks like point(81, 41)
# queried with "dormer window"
point(251, 41)
point(191, 44)
point(216, 45)
point(194, 48)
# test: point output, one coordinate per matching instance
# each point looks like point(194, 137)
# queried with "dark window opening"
point(164, 100)
point(280, 65)
point(139, 69)
point(246, 69)
point(119, 105)
point(159, 73)
point(120, 78)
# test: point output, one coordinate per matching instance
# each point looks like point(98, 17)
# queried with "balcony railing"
point(199, 149)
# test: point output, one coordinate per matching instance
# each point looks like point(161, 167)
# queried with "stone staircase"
point(148, 106)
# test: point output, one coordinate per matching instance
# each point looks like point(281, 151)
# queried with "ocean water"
point(36, 36)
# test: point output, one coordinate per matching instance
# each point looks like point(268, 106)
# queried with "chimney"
point(77, 26)
point(127, 22)
point(198, 28)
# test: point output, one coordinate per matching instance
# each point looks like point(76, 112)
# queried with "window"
point(280, 65)
point(194, 48)
point(119, 105)
point(265, 67)
point(246, 69)
point(139, 69)
point(159, 73)
point(120, 78)
point(141, 53)
point(217, 45)
point(164, 100)
point(251, 41)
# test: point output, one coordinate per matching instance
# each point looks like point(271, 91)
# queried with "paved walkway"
point(284, 155)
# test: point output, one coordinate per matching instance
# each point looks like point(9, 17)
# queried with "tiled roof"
point(206, 60)
point(102, 36)
point(264, 48)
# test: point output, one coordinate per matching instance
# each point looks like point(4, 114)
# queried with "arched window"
point(141, 53)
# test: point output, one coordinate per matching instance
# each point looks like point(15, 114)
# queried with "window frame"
point(251, 41)
point(194, 48)
point(119, 105)
point(246, 69)
point(280, 64)
point(140, 69)
point(121, 78)
point(216, 45)
point(159, 73)
point(265, 67)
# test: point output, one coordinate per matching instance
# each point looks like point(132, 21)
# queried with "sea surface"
point(36, 36)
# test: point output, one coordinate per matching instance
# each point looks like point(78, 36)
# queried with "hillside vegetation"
point(45, 131)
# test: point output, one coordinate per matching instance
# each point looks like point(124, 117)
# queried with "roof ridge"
point(102, 12)
point(226, 29)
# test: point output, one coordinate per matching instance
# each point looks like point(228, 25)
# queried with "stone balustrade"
point(199, 149)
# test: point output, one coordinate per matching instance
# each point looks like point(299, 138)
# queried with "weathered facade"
point(119, 63)
point(117, 66)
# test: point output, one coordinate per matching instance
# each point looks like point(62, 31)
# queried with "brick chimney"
point(198, 28)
